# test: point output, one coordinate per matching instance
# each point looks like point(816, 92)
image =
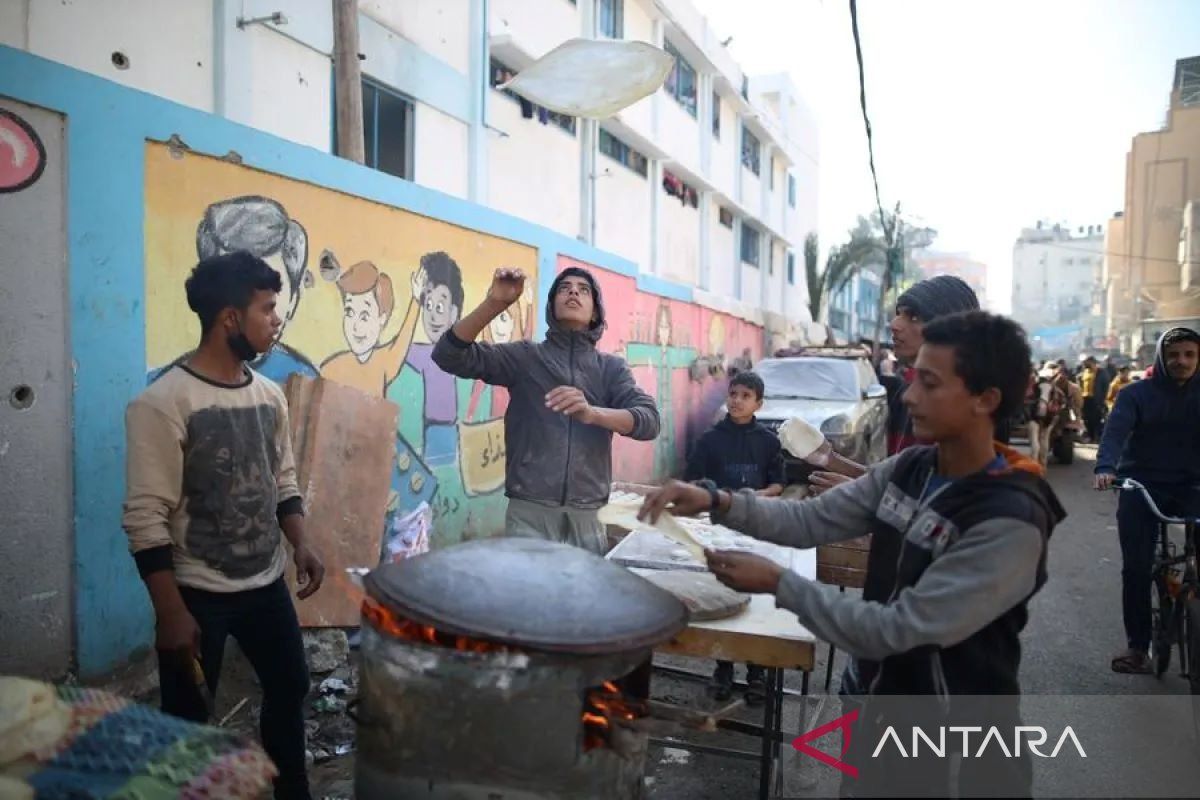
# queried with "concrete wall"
point(623, 211)
point(132, 208)
point(678, 240)
point(36, 547)
point(168, 46)
point(533, 169)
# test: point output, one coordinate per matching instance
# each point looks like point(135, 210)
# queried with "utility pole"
point(347, 76)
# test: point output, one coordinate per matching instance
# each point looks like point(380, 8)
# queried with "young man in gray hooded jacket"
point(567, 400)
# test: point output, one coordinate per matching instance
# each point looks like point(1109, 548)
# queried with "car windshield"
point(809, 378)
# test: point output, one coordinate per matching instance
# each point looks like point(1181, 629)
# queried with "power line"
point(1129, 256)
point(862, 101)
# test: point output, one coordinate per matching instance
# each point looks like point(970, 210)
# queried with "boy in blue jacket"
point(1152, 436)
point(739, 452)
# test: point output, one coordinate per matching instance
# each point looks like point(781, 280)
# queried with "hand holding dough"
point(804, 441)
point(625, 515)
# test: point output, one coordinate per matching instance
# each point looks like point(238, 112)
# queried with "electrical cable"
point(862, 100)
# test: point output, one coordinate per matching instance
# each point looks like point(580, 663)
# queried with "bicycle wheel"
point(1164, 628)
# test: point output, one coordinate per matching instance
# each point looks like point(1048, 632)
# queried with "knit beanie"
point(937, 297)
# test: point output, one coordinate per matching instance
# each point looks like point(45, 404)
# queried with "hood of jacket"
point(555, 330)
point(1161, 375)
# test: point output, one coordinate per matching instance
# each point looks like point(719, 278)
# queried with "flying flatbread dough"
point(804, 441)
point(705, 597)
point(593, 78)
point(31, 717)
point(624, 515)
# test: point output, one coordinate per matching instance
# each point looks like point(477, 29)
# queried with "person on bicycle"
point(1152, 436)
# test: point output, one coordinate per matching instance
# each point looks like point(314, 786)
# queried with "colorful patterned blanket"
point(116, 749)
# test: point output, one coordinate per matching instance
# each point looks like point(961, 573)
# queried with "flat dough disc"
point(705, 597)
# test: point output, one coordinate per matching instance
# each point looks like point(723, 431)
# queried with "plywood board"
point(345, 445)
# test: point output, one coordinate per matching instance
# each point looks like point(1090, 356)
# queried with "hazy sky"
point(986, 115)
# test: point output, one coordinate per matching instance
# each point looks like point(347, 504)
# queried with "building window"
point(716, 116)
point(750, 150)
point(387, 130)
point(771, 178)
point(674, 185)
point(791, 269)
point(612, 18)
point(501, 73)
point(791, 190)
point(725, 216)
point(770, 258)
point(617, 150)
point(749, 245)
point(681, 82)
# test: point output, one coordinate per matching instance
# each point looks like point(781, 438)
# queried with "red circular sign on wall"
point(22, 155)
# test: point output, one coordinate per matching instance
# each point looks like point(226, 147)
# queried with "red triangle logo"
point(844, 722)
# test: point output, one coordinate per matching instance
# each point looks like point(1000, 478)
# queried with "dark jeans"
point(263, 621)
point(1093, 417)
point(1138, 530)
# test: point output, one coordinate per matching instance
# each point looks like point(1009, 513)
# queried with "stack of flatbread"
point(32, 719)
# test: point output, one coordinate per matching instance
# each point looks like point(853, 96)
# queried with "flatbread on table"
point(624, 515)
point(705, 597)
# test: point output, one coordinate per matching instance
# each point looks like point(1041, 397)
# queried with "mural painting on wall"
point(387, 285)
point(677, 352)
point(22, 154)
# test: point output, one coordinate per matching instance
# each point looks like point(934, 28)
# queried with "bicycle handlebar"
point(1130, 485)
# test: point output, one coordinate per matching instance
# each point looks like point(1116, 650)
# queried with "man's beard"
point(241, 346)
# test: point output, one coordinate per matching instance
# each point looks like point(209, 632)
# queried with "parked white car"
point(837, 394)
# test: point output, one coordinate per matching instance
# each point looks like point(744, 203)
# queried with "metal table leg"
point(766, 762)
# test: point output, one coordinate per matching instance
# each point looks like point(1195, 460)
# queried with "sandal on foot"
point(1132, 662)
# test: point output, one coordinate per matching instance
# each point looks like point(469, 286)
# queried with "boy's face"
point(939, 402)
point(907, 334)
point(1182, 359)
point(362, 322)
point(259, 321)
point(742, 403)
point(440, 312)
point(574, 305)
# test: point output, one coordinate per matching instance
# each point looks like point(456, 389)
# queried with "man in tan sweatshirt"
point(210, 495)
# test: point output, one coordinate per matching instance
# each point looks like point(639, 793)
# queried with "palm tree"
point(863, 248)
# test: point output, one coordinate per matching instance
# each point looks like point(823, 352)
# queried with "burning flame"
point(387, 621)
point(601, 707)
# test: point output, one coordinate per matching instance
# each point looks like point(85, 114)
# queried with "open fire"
point(601, 706)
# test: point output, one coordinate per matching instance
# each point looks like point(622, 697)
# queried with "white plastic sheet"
point(593, 78)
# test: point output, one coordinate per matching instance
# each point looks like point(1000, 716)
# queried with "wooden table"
point(760, 634)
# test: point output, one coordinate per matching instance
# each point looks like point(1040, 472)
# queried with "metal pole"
point(347, 81)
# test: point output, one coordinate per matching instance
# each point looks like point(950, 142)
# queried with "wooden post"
point(347, 81)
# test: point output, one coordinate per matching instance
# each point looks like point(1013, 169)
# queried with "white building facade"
point(1056, 285)
point(711, 182)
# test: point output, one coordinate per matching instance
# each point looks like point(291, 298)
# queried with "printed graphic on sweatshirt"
point(229, 489)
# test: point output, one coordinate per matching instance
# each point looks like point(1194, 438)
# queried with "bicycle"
point(1176, 597)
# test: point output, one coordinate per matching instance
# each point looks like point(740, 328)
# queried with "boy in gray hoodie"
point(567, 401)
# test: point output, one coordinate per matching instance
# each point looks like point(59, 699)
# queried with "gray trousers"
point(557, 524)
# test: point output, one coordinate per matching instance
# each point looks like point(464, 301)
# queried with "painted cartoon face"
point(440, 312)
point(503, 327)
point(664, 328)
point(287, 300)
point(362, 323)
